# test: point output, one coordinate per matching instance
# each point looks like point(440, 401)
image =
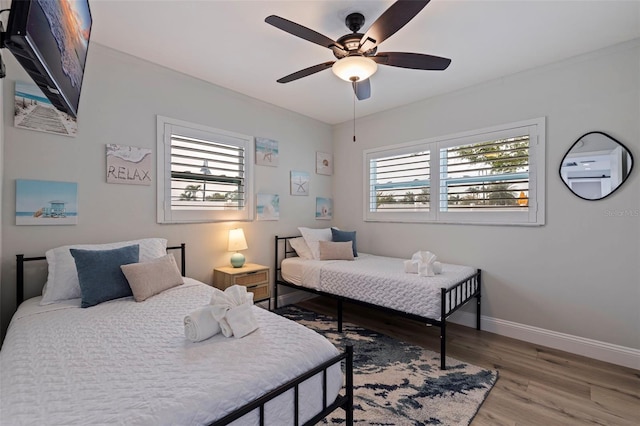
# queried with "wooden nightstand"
point(255, 277)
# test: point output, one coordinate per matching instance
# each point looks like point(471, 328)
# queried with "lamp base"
point(237, 260)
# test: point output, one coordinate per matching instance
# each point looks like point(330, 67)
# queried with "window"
point(492, 176)
point(204, 174)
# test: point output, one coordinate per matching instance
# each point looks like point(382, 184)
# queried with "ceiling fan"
point(356, 53)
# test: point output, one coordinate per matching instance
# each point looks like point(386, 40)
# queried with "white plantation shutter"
point(492, 176)
point(204, 174)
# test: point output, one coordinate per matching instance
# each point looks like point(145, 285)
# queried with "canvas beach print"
point(34, 111)
point(299, 183)
point(266, 152)
point(324, 208)
point(43, 202)
point(324, 163)
point(129, 165)
point(268, 207)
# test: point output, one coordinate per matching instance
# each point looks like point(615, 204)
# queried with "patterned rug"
point(398, 384)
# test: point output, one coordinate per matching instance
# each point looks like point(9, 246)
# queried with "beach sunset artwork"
point(43, 202)
point(324, 208)
point(34, 111)
point(266, 152)
point(129, 165)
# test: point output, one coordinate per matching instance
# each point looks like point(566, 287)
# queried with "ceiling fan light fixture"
point(354, 68)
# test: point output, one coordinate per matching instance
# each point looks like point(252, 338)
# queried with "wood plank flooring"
point(536, 385)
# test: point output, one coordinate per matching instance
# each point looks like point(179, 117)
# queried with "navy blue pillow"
point(99, 273)
point(344, 236)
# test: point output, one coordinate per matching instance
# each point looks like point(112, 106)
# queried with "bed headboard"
point(282, 250)
point(20, 259)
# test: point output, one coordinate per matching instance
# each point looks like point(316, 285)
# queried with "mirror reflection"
point(595, 166)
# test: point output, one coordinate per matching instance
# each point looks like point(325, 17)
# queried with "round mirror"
point(595, 166)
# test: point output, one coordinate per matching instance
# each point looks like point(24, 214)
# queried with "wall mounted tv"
point(50, 39)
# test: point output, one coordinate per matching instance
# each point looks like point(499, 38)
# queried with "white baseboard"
point(614, 354)
point(607, 352)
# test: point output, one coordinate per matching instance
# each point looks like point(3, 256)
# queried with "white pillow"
point(301, 248)
point(62, 281)
point(312, 236)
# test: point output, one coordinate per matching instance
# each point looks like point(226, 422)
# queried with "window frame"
point(167, 126)
point(535, 214)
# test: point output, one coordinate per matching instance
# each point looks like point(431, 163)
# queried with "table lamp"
point(237, 242)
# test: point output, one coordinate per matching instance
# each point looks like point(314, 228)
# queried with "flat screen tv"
point(50, 39)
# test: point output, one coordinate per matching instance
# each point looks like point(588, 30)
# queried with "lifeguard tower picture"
point(41, 202)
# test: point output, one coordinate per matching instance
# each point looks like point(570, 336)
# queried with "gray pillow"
point(342, 236)
point(99, 273)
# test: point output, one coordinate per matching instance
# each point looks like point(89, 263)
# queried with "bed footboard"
point(344, 401)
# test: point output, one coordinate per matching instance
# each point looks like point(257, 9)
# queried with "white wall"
point(580, 273)
point(120, 100)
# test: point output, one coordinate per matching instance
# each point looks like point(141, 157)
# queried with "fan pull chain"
point(354, 116)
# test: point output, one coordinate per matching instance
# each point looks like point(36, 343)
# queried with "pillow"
point(62, 282)
point(335, 251)
point(342, 236)
point(149, 278)
point(99, 273)
point(302, 249)
point(312, 236)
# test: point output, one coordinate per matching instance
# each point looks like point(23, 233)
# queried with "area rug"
point(399, 384)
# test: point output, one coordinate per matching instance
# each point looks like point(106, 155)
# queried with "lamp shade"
point(354, 68)
point(237, 240)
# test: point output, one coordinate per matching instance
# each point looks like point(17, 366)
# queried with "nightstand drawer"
point(260, 292)
point(252, 278)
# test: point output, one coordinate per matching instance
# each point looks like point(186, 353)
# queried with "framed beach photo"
point(324, 208)
point(324, 163)
point(43, 202)
point(299, 183)
point(266, 152)
point(34, 111)
point(268, 207)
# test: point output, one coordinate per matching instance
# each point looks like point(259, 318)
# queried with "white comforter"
point(378, 280)
point(128, 363)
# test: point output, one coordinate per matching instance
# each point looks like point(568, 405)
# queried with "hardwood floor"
point(536, 385)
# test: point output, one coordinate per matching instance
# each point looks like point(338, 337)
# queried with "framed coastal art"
point(324, 163)
point(266, 152)
point(299, 183)
point(324, 208)
point(129, 165)
point(268, 207)
point(44, 202)
point(34, 111)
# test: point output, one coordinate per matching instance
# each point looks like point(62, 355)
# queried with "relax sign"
point(128, 164)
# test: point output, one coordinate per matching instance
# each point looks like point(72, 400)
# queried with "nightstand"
point(253, 276)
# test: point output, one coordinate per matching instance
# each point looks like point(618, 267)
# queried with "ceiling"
point(229, 44)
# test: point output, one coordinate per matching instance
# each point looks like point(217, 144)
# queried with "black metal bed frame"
point(456, 296)
point(344, 401)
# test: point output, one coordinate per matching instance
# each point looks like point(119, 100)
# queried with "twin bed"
point(128, 362)
point(381, 283)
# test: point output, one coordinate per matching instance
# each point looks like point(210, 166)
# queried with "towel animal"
point(423, 263)
point(200, 325)
point(232, 309)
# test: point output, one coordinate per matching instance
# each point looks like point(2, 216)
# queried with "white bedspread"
point(378, 280)
point(128, 363)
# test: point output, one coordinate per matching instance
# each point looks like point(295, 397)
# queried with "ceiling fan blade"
point(362, 89)
point(391, 20)
point(303, 32)
point(416, 61)
point(306, 72)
